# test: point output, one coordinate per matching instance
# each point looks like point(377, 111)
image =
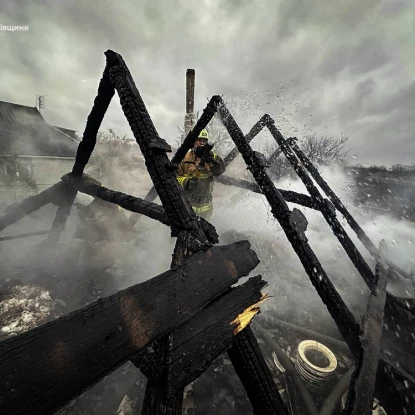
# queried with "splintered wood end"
point(245, 318)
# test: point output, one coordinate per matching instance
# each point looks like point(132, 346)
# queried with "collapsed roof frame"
point(195, 234)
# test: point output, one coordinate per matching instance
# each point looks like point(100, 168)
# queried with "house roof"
point(67, 131)
point(24, 131)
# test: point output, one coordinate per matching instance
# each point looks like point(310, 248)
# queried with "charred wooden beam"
point(362, 385)
point(128, 202)
point(204, 337)
point(327, 209)
point(24, 235)
point(255, 130)
point(77, 350)
point(17, 211)
point(95, 117)
point(176, 205)
point(294, 225)
point(288, 195)
point(254, 374)
point(368, 244)
point(61, 217)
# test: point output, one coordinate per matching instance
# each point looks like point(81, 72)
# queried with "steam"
point(249, 214)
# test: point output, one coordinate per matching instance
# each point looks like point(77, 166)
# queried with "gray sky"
point(327, 66)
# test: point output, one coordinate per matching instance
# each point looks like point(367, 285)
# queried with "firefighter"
point(196, 172)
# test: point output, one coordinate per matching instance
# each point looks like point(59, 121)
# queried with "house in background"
point(42, 152)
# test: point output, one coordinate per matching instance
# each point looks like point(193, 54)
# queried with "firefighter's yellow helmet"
point(204, 134)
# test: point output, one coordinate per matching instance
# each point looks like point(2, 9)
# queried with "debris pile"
point(23, 307)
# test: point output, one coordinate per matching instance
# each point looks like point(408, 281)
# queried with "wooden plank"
point(288, 195)
point(43, 369)
point(17, 211)
point(255, 130)
point(89, 138)
point(85, 184)
point(204, 337)
point(258, 382)
point(362, 385)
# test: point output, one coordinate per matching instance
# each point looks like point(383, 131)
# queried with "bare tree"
point(326, 149)
point(321, 149)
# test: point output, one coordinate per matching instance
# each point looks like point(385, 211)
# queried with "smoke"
point(243, 214)
point(76, 278)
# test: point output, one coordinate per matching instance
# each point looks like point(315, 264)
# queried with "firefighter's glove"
point(199, 151)
point(191, 184)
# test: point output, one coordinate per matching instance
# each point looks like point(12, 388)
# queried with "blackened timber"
point(254, 374)
point(288, 195)
point(128, 202)
point(368, 244)
point(362, 385)
point(89, 138)
point(255, 130)
point(17, 211)
point(176, 205)
point(61, 217)
point(204, 337)
point(294, 228)
point(327, 209)
point(75, 351)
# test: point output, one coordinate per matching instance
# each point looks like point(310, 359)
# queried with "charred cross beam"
point(85, 184)
point(255, 130)
point(294, 225)
point(211, 330)
point(362, 386)
point(288, 195)
point(61, 217)
point(75, 351)
point(17, 211)
point(369, 245)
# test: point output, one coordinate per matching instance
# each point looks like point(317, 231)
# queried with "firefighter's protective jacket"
point(198, 184)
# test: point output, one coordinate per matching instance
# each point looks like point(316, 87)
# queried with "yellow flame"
point(248, 314)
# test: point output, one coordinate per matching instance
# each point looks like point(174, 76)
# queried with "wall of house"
point(43, 170)
point(48, 171)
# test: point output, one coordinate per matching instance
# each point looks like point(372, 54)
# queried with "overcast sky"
point(327, 66)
